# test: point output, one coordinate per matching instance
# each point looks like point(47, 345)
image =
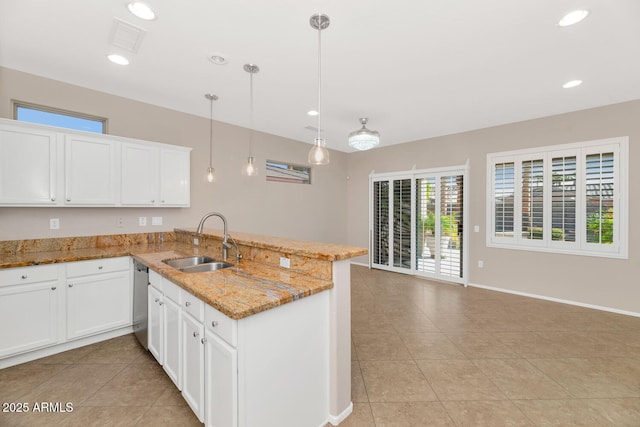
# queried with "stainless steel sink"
point(188, 261)
point(196, 264)
point(209, 266)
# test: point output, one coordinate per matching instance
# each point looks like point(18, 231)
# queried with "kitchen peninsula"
point(284, 332)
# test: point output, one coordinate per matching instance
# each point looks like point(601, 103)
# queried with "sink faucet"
point(225, 243)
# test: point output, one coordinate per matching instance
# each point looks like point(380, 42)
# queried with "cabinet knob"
point(203, 340)
point(53, 199)
point(157, 299)
point(53, 288)
point(161, 302)
point(24, 276)
point(68, 200)
point(161, 201)
point(195, 334)
point(187, 304)
point(71, 285)
point(214, 323)
point(153, 201)
point(99, 267)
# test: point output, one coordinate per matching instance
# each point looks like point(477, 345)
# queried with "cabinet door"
point(98, 303)
point(172, 341)
point(193, 364)
point(28, 166)
point(90, 171)
point(28, 315)
point(221, 367)
point(139, 175)
point(155, 326)
point(174, 177)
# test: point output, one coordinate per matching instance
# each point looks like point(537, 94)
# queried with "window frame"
point(28, 105)
point(619, 146)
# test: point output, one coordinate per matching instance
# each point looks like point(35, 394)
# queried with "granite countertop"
point(242, 290)
point(239, 291)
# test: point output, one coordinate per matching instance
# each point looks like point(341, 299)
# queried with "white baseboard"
point(560, 300)
point(362, 264)
point(335, 420)
point(59, 348)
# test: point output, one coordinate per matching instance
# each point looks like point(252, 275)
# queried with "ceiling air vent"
point(312, 128)
point(126, 36)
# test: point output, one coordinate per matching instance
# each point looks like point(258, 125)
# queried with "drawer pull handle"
point(24, 276)
point(53, 288)
point(214, 323)
point(195, 334)
point(187, 304)
point(71, 285)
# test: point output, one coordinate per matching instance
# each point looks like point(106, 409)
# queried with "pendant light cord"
point(211, 133)
point(319, 74)
point(251, 113)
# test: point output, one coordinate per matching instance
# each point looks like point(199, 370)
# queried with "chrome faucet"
point(225, 243)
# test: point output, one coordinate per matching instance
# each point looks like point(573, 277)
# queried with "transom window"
point(57, 117)
point(566, 198)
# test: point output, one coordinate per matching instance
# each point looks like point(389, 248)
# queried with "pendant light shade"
point(364, 139)
point(319, 155)
point(211, 172)
point(250, 168)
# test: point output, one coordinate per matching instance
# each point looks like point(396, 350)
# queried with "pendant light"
point(250, 168)
point(211, 172)
point(364, 139)
point(319, 155)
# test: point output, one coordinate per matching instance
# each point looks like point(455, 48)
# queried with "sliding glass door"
point(418, 223)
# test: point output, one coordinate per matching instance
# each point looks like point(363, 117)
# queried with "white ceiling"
point(415, 68)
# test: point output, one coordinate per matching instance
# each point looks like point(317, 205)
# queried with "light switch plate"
point(285, 262)
point(156, 220)
point(142, 221)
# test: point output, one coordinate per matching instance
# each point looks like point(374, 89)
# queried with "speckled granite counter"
point(256, 284)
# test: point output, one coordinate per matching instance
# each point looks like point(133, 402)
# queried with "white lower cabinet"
point(155, 327)
point(193, 371)
point(172, 337)
point(98, 296)
point(221, 386)
point(29, 308)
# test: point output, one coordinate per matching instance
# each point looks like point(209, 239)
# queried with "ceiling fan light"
point(364, 139)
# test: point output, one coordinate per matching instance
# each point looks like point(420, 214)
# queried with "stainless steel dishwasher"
point(140, 290)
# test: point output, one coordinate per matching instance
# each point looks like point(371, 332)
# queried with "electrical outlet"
point(120, 222)
point(480, 264)
point(142, 221)
point(285, 262)
point(476, 228)
point(54, 224)
point(156, 220)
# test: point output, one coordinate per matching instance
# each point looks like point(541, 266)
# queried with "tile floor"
point(424, 354)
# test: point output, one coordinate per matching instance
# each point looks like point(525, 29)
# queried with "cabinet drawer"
point(221, 325)
point(172, 291)
point(192, 305)
point(38, 273)
point(155, 280)
point(97, 266)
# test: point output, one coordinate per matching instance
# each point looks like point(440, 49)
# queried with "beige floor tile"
point(32, 419)
point(395, 381)
point(480, 345)
point(124, 349)
point(410, 414)
point(431, 345)
point(486, 413)
point(169, 416)
point(454, 322)
point(358, 390)
point(617, 412)
point(459, 380)
point(70, 356)
point(171, 397)
point(590, 378)
point(411, 321)
point(360, 417)
point(17, 380)
point(561, 413)
point(380, 347)
point(104, 416)
point(519, 379)
point(370, 322)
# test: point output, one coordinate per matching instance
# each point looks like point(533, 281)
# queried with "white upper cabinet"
point(175, 174)
point(48, 166)
point(28, 166)
point(139, 175)
point(90, 171)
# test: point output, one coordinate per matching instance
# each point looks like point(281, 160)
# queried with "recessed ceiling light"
point(118, 59)
point(218, 59)
point(572, 83)
point(312, 113)
point(573, 17)
point(141, 10)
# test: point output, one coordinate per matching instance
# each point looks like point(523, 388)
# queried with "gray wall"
point(599, 281)
point(310, 212)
